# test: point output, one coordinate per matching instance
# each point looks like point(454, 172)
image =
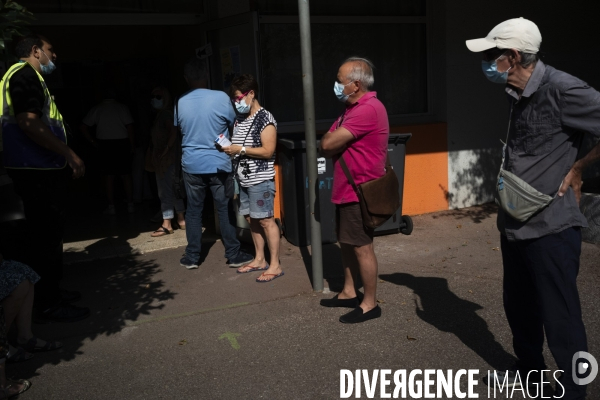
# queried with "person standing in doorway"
point(202, 115)
point(36, 156)
point(115, 142)
point(166, 160)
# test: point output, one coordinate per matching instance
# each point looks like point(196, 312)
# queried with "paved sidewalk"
point(90, 235)
point(159, 331)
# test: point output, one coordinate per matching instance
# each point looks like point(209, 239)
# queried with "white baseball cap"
point(516, 33)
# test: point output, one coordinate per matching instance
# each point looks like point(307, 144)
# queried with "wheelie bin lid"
point(293, 144)
point(399, 137)
point(299, 143)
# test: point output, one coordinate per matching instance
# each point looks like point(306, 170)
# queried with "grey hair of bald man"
point(362, 71)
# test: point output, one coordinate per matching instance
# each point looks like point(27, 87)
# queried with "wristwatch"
point(243, 151)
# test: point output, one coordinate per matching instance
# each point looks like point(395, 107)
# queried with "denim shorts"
point(258, 200)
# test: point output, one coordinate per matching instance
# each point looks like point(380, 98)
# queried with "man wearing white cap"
point(538, 192)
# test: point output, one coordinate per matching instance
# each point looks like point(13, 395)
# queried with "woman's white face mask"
point(156, 103)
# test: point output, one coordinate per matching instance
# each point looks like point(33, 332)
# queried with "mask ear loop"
point(357, 88)
point(38, 59)
point(509, 68)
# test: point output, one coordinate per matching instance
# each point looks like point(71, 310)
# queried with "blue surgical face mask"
point(242, 107)
point(156, 103)
point(338, 89)
point(48, 68)
point(490, 70)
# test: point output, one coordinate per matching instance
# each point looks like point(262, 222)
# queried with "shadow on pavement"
point(333, 271)
point(447, 312)
point(117, 292)
point(475, 214)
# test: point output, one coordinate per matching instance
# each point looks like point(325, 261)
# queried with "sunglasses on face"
point(156, 96)
point(240, 97)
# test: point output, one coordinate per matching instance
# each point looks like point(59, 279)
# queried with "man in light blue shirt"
point(202, 115)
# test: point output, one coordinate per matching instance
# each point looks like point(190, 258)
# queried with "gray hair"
point(361, 71)
point(527, 59)
point(195, 69)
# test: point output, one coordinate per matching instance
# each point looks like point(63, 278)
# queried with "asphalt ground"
point(159, 331)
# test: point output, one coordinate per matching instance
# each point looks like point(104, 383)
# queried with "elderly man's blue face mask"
point(338, 89)
point(490, 70)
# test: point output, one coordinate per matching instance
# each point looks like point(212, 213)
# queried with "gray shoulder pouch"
point(516, 197)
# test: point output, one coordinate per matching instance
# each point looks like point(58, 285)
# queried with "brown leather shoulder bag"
point(379, 199)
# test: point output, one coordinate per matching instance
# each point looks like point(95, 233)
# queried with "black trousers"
point(44, 194)
point(540, 295)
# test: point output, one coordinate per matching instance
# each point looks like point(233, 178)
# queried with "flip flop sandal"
point(19, 356)
point(274, 276)
point(10, 383)
point(163, 232)
point(251, 269)
point(32, 347)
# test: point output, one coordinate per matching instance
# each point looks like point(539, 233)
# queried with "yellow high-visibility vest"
point(20, 151)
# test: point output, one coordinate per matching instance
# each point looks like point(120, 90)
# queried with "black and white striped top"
point(252, 171)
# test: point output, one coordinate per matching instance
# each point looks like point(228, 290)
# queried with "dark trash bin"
point(295, 207)
point(398, 223)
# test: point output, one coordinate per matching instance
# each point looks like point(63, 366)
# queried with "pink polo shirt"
point(366, 155)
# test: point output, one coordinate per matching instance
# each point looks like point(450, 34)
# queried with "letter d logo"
point(582, 368)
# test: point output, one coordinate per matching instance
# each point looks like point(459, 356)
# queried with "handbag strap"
point(239, 158)
point(505, 145)
point(349, 176)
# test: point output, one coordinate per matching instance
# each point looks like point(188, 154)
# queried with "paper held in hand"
point(222, 140)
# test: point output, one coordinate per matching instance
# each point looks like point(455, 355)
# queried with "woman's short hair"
point(244, 83)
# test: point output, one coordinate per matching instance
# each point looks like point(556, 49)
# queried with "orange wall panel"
point(426, 169)
point(425, 172)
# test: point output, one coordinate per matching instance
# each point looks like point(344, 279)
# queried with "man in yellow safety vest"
point(35, 156)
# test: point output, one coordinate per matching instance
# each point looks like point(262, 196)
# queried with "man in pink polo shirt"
point(360, 135)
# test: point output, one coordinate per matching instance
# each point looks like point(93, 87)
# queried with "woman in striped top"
point(253, 150)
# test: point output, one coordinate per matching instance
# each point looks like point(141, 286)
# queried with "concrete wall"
point(477, 110)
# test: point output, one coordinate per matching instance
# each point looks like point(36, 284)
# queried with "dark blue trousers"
point(540, 295)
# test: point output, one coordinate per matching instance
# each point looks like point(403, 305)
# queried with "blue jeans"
point(195, 187)
point(166, 193)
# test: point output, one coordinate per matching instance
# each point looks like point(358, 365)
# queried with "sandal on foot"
point(32, 346)
point(249, 268)
point(162, 231)
point(11, 389)
point(274, 276)
point(19, 356)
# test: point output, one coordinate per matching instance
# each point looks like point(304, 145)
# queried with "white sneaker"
point(130, 208)
point(110, 210)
